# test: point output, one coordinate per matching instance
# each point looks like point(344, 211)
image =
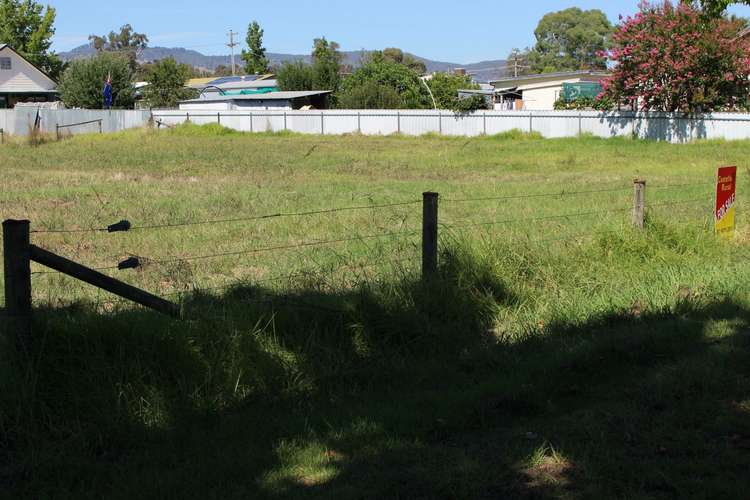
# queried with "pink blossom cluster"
point(671, 58)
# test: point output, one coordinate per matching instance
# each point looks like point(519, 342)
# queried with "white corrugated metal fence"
point(655, 126)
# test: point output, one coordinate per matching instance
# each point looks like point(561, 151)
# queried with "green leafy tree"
point(127, 42)
point(166, 84)
point(397, 55)
point(370, 95)
point(295, 76)
point(326, 64)
point(445, 87)
point(256, 62)
point(82, 83)
point(378, 72)
point(323, 74)
point(470, 104)
point(715, 8)
point(571, 40)
point(28, 28)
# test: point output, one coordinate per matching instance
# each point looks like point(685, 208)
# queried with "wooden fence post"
point(57, 132)
point(218, 118)
point(100, 126)
point(17, 268)
point(639, 204)
point(429, 234)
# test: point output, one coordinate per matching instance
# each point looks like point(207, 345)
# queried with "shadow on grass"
point(399, 391)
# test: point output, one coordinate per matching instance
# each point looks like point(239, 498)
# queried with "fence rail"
point(59, 127)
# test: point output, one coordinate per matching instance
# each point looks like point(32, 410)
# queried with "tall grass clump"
point(36, 137)
point(96, 379)
point(189, 129)
point(516, 135)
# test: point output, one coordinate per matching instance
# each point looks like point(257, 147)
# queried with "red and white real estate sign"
point(726, 196)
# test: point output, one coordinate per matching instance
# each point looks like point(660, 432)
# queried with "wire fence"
point(339, 268)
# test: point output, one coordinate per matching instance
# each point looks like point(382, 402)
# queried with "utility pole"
point(232, 44)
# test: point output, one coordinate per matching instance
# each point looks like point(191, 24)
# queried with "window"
point(5, 63)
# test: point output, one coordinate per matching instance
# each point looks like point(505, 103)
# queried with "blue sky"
point(448, 31)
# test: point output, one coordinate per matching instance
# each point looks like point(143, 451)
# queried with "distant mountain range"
point(482, 71)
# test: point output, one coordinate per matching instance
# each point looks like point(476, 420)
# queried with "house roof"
point(562, 75)
point(256, 84)
point(233, 82)
point(4, 46)
point(271, 96)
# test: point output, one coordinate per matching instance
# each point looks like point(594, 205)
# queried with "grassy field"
point(558, 353)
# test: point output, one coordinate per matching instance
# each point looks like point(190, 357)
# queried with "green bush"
point(166, 84)
point(82, 84)
point(379, 73)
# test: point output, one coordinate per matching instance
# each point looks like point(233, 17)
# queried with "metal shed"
point(316, 99)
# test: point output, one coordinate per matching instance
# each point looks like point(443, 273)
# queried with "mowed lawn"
point(558, 352)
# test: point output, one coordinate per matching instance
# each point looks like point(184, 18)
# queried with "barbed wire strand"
point(534, 195)
point(281, 247)
point(568, 193)
point(276, 216)
point(461, 225)
point(237, 219)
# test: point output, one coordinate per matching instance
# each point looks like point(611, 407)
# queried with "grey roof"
point(270, 96)
point(3, 45)
point(561, 74)
point(477, 91)
point(243, 85)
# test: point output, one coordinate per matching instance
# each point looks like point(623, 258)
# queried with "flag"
point(108, 92)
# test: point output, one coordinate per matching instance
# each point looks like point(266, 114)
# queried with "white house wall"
point(542, 96)
point(23, 77)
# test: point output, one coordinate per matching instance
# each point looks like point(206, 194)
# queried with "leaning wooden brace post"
point(639, 204)
point(17, 268)
point(102, 281)
point(429, 234)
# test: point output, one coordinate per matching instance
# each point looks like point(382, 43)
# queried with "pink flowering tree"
point(673, 58)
